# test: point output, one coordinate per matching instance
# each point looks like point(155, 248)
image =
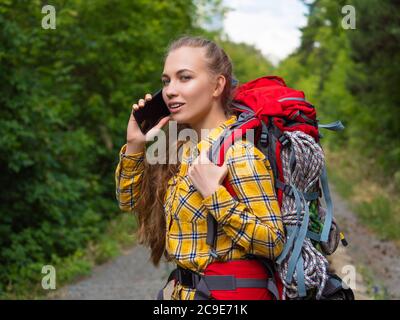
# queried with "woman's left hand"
point(205, 175)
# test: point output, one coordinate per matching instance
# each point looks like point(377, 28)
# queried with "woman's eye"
point(183, 78)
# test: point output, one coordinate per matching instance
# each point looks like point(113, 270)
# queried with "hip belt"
point(204, 283)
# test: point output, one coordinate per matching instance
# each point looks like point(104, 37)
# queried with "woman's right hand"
point(135, 138)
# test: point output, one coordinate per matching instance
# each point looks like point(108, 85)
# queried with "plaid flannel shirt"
point(250, 224)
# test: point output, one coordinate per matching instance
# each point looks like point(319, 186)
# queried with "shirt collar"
point(213, 134)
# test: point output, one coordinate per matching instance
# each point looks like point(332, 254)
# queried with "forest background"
point(66, 95)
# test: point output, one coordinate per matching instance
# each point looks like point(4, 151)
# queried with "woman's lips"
point(174, 110)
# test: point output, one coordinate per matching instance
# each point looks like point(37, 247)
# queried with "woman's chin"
point(179, 118)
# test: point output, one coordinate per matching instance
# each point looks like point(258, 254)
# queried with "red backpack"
point(286, 130)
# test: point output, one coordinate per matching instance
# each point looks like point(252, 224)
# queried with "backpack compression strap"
point(271, 141)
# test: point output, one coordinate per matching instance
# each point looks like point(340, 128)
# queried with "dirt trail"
point(132, 276)
point(380, 258)
point(128, 277)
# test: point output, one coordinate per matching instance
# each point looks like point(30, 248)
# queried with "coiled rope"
point(303, 175)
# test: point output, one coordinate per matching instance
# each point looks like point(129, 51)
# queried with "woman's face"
point(186, 79)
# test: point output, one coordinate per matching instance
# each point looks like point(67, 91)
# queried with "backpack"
point(286, 130)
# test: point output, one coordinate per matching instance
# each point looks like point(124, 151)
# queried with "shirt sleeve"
point(254, 219)
point(128, 178)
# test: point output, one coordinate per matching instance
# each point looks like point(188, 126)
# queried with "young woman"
point(172, 201)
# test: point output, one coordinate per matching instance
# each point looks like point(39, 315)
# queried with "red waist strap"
point(243, 269)
point(238, 268)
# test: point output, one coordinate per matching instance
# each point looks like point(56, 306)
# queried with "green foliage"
point(352, 75)
point(25, 283)
point(65, 100)
point(381, 212)
point(375, 202)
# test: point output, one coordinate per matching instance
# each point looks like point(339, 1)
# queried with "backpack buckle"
point(287, 189)
point(187, 277)
point(284, 140)
point(264, 139)
point(214, 254)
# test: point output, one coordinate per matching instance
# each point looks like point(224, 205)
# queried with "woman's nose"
point(170, 90)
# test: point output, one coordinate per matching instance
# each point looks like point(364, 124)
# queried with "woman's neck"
point(213, 120)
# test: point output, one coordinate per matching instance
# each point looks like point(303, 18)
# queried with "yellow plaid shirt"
point(251, 224)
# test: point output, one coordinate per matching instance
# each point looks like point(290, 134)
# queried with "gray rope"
point(309, 159)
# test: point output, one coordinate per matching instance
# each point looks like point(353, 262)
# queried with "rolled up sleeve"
point(128, 178)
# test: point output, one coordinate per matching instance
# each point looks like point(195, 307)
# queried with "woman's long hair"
point(149, 208)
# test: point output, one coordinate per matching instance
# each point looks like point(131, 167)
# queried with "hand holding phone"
point(143, 126)
point(151, 112)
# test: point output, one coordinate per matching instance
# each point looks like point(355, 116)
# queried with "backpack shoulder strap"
point(217, 154)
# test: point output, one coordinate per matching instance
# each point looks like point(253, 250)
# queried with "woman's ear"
point(219, 85)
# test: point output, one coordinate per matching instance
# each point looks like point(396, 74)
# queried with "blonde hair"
point(150, 209)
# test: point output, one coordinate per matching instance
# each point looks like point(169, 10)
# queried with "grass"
point(376, 291)
point(371, 195)
point(118, 236)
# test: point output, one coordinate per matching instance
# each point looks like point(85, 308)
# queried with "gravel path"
point(380, 257)
point(132, 276)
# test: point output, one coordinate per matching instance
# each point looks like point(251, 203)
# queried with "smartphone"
point(152, 112)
